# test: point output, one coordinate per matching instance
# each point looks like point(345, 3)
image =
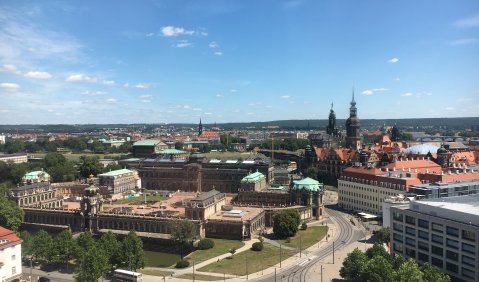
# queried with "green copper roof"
point(146, 143)
point(116, 172)
point(252, 177)
point(172, 152)
point(35, 174)
point(308, 184)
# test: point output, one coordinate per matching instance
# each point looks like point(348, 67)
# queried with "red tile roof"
point(10, 236)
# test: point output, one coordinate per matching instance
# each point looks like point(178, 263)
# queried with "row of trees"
point(377, 265)
point(76, 144)
point(288, 144)
point(93, 258)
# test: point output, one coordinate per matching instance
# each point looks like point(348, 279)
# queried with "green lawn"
point(253, 261)
point(155, 272)
point(140, 200)
point(76, 156)
point(222, 246)
point(307, 237)
point(160, 259)
point(200, 277)
point(226, 155)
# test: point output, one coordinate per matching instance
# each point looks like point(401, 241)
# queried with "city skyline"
point(236, 61)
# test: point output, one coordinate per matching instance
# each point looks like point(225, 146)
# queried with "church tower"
point(200, 128)
point(353, 139)
point(331, 128)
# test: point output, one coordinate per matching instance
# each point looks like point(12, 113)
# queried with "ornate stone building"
point(353, 138)
point(39, 195)
point(206, 204)
point(253, 182)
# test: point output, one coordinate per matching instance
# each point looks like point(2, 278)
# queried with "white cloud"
point(111, 100)
point(208, 114)
point(218, 53)
point(367, 92)
point(219, 95)
point(464, 41)
point(79, 77)
point(94, 93)
point(143, 85)
point(38, 74)
point(108, 82)
point(9, 86)
point(408, 94)
point(146, 96)
point(197, 109)
point(213, 44)
point(186, 107)
point(397, 79)
point(468, 22)
point(11, 68)
point(393, 60)
point(170, 31)
point(183, 44)
point(285, 97)
point(233, 90)
point(450, 108)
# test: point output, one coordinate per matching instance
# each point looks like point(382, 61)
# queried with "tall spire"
point(200, 128)
point(353, 103)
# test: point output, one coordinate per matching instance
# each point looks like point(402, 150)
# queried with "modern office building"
point(443, 232)
point(118, 181)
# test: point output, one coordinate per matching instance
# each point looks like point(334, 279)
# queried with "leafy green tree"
point(84, 242)
point(64, 247)
point(27, 244)
point(11, 216)
point(378, 269)
point(133, 251)
point(42, 246)
point(377, 250)
point(353, 265)
point(384, 234)
point(92, 265)
point(313, 172)
point(432, 274)
point(409, 272)
point(397, 261)
point(90, 165)
point(183, 232)
point(54, 159)
point(286, 223)
point(112, 247)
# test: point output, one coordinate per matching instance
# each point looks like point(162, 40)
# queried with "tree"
point(42, 246)
point(384, 234)
point(112, 248)
point(84, 242)
point(133, 251)
point(183, 232)
point(11, 215)
point(92, 265)
point(397, 261)
point(285, 223)
point(54, 159)
point(64, 247)
point(313, 172)
point(409, 272)
point(377, 250)
point(432, 274)
point(27, 244)
point(353, 265)
point(378, 269)
point(90, 165)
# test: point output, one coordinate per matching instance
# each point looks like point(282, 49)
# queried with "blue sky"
point(236, 61)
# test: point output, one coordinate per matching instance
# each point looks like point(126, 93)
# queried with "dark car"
point(44, 279)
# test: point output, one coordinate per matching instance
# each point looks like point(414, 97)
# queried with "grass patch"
point(222, 246)
point(155, 272)
point(309, 237)
point(160, 259)
point(140, 199)
point(256, 261)
point(226, 155)
point(200, 277)
point(76, 156)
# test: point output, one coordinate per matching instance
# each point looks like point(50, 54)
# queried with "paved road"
point(298, 272)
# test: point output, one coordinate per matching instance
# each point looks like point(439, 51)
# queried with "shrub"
point(257, 247)
point(206, 244)
point(288, 240)
point(182, 264)
point(304, 226)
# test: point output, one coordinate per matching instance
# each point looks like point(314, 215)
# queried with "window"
point(410, 231)
point(437, 251)
point(411, 252)
point(468, 248)
point(397, 216)
point(451, 267)
point(423, 223)
point(436, 262)
point(452, 231)
point(437, 239)
point(422, 246)
point(397, 237)
point(410, 242)
point(468, 273)
point(452, 255)
point(469, 235)
point(423, 234)
point(437, 227)
point(397, 247)
point(422, 257)
point(452, 243)
point(410, 220)
point(14, 270)
point(13, 257)
point(468, 261)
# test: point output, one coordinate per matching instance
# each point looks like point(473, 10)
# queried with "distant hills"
point(314, 124)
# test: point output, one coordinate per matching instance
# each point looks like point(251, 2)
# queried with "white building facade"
point(10, 255)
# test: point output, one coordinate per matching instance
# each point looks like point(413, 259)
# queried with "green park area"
point(76, 156)
point(226, 155)
point(248, 261)
point(222, 246)
point(140, 200)
point(155, 272)
point(306, 238)
point(200, 277)
point(160, 259)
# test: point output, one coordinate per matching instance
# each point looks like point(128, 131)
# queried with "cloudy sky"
point(236, 61)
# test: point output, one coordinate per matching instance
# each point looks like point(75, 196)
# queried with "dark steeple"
point(200, 128)
point(353, 139)
point(331, 128)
